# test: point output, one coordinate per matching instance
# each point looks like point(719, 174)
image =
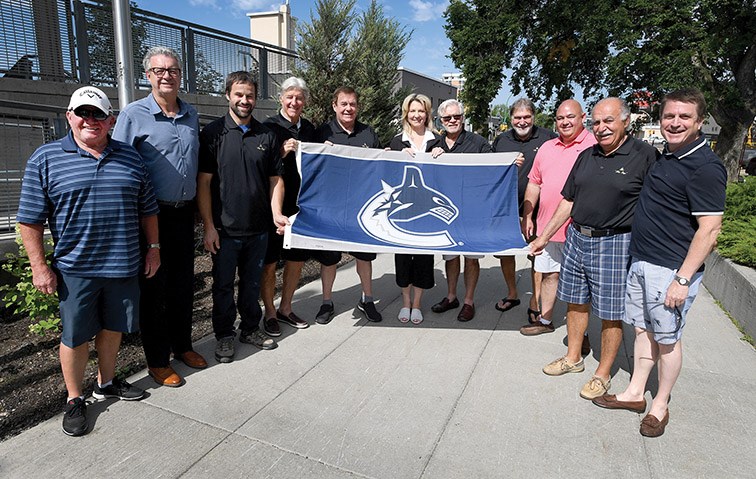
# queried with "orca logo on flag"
point(412, 200)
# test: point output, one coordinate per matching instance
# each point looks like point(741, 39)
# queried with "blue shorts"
point(594, 271)
point(647, 286)
point(89, 305)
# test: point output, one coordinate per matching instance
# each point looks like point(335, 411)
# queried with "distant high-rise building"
point(456, 80)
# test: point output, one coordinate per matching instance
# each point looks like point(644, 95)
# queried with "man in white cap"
point(94, 192)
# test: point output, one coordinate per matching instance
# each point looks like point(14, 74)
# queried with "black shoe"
point(325, 314)
point(372, 314)
point(271, 327)
point(292, 320)
point(75, 417)
point(118, 389)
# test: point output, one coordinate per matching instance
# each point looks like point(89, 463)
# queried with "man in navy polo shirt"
point(240, 194)
point(165, 131)
point(677, 220)
point(93, 192)
point(599, 195)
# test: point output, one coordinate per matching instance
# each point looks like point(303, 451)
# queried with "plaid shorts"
point(647, 286)
point(595, 271)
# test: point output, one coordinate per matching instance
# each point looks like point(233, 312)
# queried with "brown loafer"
point(652, 427)
point(537, 328)
point(166, 377)
point(466, 313)
point(445, 305)
point(192, 359)
point(610, 401)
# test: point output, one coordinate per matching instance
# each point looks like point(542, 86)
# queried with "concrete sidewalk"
point(388, 400)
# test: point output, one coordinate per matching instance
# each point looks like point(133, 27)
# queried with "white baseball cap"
point(90, 96)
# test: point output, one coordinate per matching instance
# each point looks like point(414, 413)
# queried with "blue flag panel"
point(360, 199)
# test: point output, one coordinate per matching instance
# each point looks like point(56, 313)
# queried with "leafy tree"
point(617, 47)
point(208, 80)
point(100, 36)
point(338, 50)
point(375, 52)
point(322, 48)
point(479, 32)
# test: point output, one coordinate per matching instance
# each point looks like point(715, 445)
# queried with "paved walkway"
point(388, 400)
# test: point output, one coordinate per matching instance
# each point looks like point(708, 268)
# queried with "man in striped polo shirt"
point(94, 193)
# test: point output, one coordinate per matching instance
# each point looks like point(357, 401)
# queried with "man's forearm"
point(33, 238)
point(701, 246)
point(150, 229)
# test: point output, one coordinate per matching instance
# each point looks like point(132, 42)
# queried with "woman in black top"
point(414, 272)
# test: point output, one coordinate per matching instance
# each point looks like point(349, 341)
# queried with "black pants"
point(165, 313)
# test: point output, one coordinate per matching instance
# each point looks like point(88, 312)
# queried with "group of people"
point(121, 210)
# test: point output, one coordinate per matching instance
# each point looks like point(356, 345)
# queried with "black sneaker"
point(325, 315)
point(271, 327)
point(224, 350)
point(118, 389)
point(258, 338)
point(372, 314)
point(75, 417)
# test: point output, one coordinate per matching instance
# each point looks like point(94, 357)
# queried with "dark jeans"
point(245, 254)
point(165, 313)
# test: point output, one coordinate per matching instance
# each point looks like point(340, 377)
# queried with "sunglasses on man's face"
point(448, 118)
point(87, 113)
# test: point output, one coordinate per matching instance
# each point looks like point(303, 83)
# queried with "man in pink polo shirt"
point(551, 166)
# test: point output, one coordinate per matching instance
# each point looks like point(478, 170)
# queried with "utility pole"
point(124, 51)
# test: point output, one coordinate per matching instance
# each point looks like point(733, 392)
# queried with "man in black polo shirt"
point(239, 194)
point(456, 140)
point(525, 138)
point(344, 129)
point(600, 195)
point(676, 223)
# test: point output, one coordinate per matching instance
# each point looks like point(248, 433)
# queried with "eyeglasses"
point(449, 117)
point(87, 113)
point(174, 72)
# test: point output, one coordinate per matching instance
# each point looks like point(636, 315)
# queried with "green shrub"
point(737, 241)
point(23, 298)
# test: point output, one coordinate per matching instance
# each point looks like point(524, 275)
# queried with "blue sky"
point(427, 52)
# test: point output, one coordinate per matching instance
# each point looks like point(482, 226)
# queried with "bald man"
point(551, 166)
point(599, 195)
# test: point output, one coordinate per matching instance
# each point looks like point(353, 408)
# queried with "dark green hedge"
point(738, 238)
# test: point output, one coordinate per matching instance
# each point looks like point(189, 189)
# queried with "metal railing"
point(72, 41)
point(23, 128)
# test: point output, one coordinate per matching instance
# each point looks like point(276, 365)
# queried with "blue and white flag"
point(369, 200)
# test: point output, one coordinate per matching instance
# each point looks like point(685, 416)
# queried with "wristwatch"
point(153, 245)
point(682, 281)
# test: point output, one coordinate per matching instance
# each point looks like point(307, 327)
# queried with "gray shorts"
point(89, 305)
point(647, 286)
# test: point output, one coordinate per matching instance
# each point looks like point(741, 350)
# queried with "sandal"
point(404, 315)
point(508, 303)
point(533, 315)
point(416, 316)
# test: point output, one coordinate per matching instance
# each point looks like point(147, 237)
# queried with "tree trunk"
point(730, 147)
point(734, 122)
